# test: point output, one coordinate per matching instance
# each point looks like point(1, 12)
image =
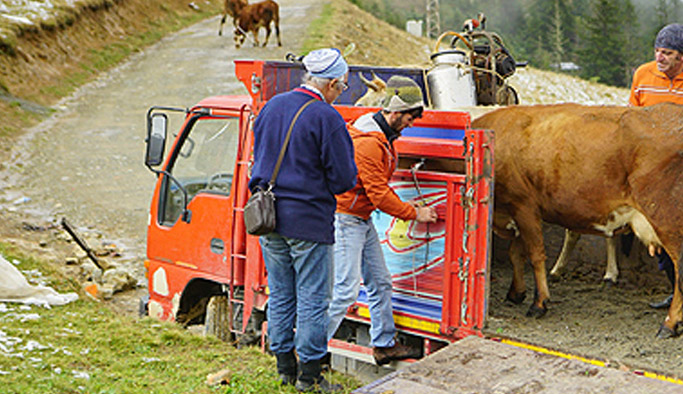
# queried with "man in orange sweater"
point(357, 250)
point(658, 81)
point(661, 80)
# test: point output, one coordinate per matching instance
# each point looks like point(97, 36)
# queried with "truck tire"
point(143, 306)
point(217, 319)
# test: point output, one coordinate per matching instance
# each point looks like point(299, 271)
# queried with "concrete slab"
point(483, 366)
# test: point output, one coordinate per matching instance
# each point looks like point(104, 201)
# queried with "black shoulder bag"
point(259, 212)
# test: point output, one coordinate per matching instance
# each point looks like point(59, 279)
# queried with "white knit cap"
point(326, 63)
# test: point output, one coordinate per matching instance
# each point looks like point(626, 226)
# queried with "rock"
point(92, 289)
point(90, 272)
point(221, 377)
point(118, 279)
point(106, 292)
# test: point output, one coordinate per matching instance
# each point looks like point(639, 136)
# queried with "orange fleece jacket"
point(376, 162)
point(650, 86)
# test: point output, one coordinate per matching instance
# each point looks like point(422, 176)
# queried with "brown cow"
point(592, 170)
point(231, 7)
point(252, 17)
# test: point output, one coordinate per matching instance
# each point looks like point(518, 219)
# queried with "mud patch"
point(586, 316)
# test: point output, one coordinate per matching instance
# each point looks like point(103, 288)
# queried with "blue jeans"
point(300, 281)
point(357, 253)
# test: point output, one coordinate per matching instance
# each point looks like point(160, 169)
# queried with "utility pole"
point(433, 23)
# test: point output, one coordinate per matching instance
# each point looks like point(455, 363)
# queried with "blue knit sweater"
point(318, 163)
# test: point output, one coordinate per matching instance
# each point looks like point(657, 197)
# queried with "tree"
point(608, 42)
point(550, 32)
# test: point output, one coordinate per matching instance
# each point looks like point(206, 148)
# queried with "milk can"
point(450, 81)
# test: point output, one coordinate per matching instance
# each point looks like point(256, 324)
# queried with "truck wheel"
point(143, 306)
point(253, 333)
point(217, 319)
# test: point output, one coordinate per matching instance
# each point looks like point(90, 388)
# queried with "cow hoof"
point(665, 333)
point(536, 312)
point(609, 283)
point(515, 298)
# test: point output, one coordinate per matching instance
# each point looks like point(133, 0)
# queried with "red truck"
point(198, 250)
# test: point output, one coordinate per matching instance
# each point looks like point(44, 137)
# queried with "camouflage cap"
point(402, 94)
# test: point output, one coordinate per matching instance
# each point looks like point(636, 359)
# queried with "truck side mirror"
point(157, 124)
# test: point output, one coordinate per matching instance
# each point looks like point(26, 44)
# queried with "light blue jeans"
point(357, 253)
point(300, 282)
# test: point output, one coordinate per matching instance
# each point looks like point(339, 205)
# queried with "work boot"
point(665, 303)
point(383, 355)
point(311, 381)
point(326, 362)
point(286, 367)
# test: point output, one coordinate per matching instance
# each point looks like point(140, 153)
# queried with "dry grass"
point(376, 42)
point(60, 49)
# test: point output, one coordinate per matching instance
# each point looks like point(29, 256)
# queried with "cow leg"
point(612, 270)
point(570, 240)
point(531, 234)
point(220, 27)
point(675, 315)
point(518, 257)
point(277, 33)
point(255, 33)
point(267, 35)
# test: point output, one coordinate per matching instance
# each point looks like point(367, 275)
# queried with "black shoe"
point(287, 380)
point(326, 362)
point(384, 355)
point(320, 386)
point(662, 304)
point(286, 367)
point(310, 380)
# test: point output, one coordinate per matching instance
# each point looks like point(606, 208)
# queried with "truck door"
point(195, 245)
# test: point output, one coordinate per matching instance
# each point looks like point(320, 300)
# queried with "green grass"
point(84, 347)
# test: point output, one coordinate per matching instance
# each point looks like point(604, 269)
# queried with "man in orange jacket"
point(357, 250)
point(659, 81)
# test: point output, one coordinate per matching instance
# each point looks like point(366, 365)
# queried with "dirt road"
point(86, 162)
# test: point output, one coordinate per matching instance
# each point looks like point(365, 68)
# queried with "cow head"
point(376, 91)
point(239, 38)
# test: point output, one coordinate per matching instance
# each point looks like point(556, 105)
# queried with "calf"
point(252, 17)
point(592, 170)
point(232, 8)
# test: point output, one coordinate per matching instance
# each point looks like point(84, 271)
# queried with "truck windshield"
point(204, 164)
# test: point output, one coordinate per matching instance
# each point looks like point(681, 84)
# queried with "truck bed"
point(478, 365)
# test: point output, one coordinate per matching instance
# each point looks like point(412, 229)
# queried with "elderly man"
point(357, 250)
point(298, 255)
point(658, 81)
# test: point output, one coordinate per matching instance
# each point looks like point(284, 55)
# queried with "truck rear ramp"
point(483, 366)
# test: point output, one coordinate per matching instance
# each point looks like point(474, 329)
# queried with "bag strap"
point(271, 184)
